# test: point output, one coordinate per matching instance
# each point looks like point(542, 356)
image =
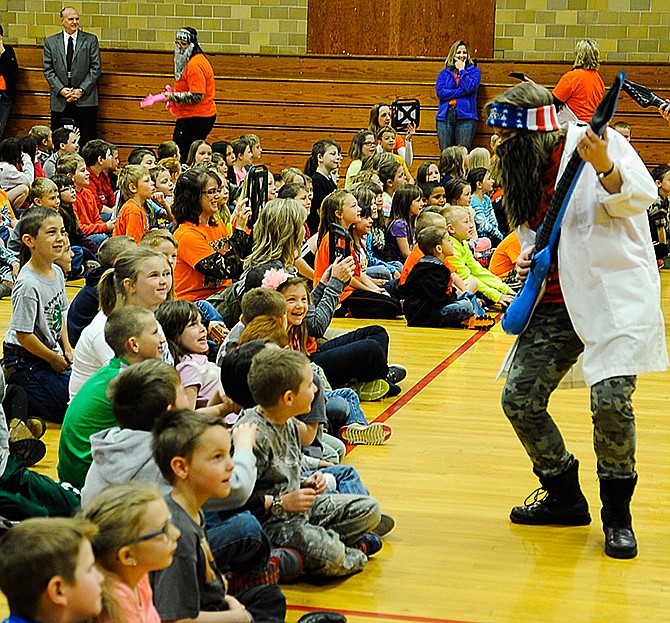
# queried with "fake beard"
point(521, 169)
point(181, 59)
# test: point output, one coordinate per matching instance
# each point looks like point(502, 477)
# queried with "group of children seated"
point(205, 401)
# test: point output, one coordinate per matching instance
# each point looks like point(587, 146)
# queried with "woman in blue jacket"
point(456, 87)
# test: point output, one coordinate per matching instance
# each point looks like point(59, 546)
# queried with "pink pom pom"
point(273, 278)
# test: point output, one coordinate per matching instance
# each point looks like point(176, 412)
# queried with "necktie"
point(68, 59)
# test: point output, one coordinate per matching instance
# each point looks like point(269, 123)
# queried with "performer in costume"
point(194, 91)
point(602, 302)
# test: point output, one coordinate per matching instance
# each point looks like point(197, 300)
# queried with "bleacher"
point(292, 101)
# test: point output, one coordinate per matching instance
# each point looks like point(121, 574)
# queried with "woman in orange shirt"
point(208, 254)
point(192, 100)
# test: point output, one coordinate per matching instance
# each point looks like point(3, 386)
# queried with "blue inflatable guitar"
point(521, 309)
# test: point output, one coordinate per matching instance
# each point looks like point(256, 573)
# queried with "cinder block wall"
point(244, 26)
point(626, 30)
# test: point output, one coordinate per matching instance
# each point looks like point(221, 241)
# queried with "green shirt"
point(89, 412)
point(467, 266)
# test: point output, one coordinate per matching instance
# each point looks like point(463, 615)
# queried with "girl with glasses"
point(135, 536)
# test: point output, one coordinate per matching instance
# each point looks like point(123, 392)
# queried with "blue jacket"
point(465, 92)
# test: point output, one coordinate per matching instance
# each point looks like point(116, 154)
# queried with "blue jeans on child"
point(238, 542)
point(47, 392)
point(343, 407)
point(464, 307)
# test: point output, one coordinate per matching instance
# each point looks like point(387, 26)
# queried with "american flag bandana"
point(543, 119)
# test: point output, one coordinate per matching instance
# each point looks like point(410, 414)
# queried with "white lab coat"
point(607, 268)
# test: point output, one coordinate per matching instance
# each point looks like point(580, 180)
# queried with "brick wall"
point(626, 30)
point(252, 26)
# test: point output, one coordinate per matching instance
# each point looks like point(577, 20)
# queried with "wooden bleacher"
point(292, 101)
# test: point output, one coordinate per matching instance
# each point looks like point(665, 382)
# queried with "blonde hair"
point(154, 237)
point(449, 61)
point(278, 233)
point(41, 187)
point(112, 287)
point(587, 54)
point(130, 174)
point(68, 164)
point(450, 212)
point(479, 157)
point(117, 513)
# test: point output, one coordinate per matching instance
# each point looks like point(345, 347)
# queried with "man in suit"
point(72, 68)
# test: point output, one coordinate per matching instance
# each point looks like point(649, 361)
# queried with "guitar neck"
point(544, 234)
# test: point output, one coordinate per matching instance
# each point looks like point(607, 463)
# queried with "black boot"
point(564, 503)
point(617, 523)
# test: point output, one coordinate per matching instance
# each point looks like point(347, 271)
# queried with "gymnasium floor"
point(449, 476)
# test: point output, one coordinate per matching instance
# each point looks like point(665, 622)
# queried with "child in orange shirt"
point(86, 204)
point(136, 216)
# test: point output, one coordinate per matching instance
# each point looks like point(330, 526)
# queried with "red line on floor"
point(430, 377)
point(377, 615)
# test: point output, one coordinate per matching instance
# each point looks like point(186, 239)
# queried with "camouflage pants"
point(324, 535)
point(546, 351)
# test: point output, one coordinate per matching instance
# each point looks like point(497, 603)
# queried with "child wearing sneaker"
point(430, 298)
point(331, 532)
point(461, 227)
point(24, 493)
point(48, 572)
point(356, 358)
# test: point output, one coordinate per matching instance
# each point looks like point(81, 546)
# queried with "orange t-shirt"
point(198, 77)
point(196, 242)
point(412, 260)
point(504, 257)
point(322, 262)
point(581, 90)
point(132, 221)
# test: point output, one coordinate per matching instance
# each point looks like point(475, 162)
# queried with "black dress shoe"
point(322, 616)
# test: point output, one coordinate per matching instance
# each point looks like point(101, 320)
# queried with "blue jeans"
point(455, 131)
point(464, 307)
point(238, 542)
point(346, 476)
point(47, 392)
point(5, 108)
point(348, 409)
point(98, 238)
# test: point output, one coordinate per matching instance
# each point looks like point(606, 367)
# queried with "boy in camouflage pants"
point(331, 532)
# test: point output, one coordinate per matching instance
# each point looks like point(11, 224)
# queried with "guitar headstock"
point(607, 107)
point(642, 95)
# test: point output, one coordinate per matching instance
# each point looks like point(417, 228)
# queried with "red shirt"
point(86, 209)
point(553, 293)
point(101, 187)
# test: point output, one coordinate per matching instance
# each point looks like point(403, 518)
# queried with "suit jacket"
point(86, 68)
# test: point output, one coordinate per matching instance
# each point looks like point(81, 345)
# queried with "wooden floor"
point(449, 476)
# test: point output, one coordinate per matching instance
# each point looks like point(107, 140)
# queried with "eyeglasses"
point(212, 192)
point(370, 143)
point(164, 531)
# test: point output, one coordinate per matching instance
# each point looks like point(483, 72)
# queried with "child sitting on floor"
point(461, 227)
point(132, 333)
point(135, 536)
point(430, 299)
point(48, 572)
point(192, 450)
point(136, 215)
point(339, 540)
